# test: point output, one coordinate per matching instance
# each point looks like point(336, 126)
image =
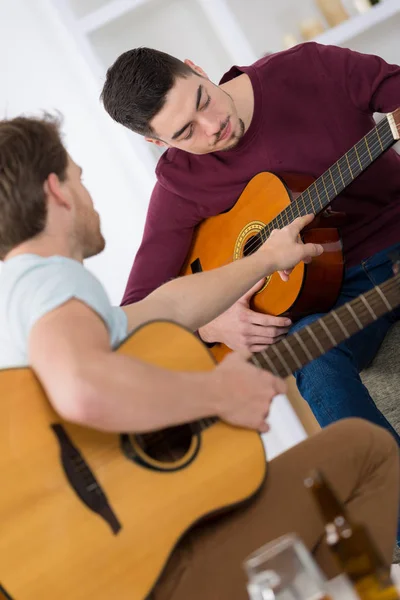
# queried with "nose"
point(210, 124)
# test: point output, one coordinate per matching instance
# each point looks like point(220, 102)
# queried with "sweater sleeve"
point(167, 236)
point(372, 84)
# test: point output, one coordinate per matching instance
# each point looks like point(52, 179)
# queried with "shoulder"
point(45, 276)
point(290, 60)
point(35, 285)
point(173, 166)
point(178, 193)
point(272, 61)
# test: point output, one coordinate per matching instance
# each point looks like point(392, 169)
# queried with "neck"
point(240, 90)
point(47, 245)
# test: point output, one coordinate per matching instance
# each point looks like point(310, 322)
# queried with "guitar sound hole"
point(252, 244)
point(168, 445)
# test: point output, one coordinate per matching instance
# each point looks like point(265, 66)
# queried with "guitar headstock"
point(394, 120)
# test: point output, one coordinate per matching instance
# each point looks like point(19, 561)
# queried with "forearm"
point(198, 299)
point(119, 393)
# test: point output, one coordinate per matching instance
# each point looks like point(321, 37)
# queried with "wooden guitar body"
point(226, 237)
point(52, 545)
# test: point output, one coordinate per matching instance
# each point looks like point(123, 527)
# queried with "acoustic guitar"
point(86, 514)
point(270, 202)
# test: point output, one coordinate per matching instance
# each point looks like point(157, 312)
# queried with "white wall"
point(178, 27)
point(40, 68)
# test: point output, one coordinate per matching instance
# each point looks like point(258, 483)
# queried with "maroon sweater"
point(312, 104)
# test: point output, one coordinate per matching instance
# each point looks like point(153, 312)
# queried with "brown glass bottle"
point(351, 544)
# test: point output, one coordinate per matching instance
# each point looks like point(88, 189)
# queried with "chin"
point(231, 143)
point(94, 248)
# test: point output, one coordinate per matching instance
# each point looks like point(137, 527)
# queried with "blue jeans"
point(331, 384)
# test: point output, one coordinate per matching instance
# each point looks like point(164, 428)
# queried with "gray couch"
point(382, 377)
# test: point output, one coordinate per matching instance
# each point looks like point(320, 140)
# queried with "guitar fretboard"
point(299, 348)
point(331, 183)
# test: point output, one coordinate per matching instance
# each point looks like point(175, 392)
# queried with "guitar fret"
point(349, 165)
point(353, 314)
point(379, 139)
point(373, 138)
point(282, 360)
point(321, 190)
point(333, 181)
point(328, 333)
point(368, 307)
point(315, 339)
point(255, 360)
point(358, 158)
point(385, 300)
point(318, 198)
point(292, 353)
point(326, 191)
point(356, 166)
point(269, 362)
point(345, 170)
point(339, 322)
point(364, 153)
point(309, 194)
point(304, 203)
point(367, 145)
point(303, 346)
point(340, 173)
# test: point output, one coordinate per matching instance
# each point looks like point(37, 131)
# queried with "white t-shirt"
point(31, 286)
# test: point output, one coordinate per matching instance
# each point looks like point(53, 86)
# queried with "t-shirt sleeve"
point(372, 84)
point(166, 241)
point(48, 285)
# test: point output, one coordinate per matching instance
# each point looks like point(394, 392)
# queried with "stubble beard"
point(236, 137)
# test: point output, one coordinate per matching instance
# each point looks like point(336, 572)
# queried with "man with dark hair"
point(56, 318)
point(295, 111)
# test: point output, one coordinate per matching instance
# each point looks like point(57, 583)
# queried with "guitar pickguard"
point(83, 481)
point(3, 594)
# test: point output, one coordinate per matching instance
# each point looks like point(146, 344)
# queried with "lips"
point(226, 132)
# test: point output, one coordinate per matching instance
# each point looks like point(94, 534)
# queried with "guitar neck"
point(296, 350)
point(331, 183)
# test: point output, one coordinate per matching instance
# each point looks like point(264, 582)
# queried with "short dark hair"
point(30, 149)
point(137, 84)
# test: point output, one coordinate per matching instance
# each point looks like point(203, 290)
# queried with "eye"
point(206, 103)
point(189, 135)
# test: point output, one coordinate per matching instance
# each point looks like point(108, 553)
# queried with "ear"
point(159, 143)
point(56, 190)
point(195, 68)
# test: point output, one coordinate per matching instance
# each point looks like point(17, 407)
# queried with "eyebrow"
point(198, 98)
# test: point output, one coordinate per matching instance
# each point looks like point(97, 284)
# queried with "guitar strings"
point(362, 311)
point(387, 137)
point(307, 205)
point(255, 244)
